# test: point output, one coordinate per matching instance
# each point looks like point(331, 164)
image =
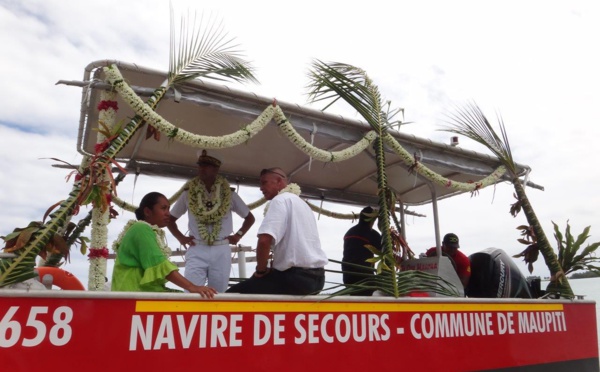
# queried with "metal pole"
point(242, 263)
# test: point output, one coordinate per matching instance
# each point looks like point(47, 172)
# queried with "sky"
point(534, 63)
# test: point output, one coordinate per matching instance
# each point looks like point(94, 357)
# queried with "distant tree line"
point(585, 274)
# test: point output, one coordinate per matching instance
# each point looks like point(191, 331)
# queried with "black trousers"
point(293, 281)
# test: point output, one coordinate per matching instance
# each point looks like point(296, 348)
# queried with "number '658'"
point(59, 334)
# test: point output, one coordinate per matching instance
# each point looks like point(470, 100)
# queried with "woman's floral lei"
point(160, 238)
point(209, 208)
point(291, 188)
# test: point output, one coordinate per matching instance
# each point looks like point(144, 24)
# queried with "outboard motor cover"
point(495, 275)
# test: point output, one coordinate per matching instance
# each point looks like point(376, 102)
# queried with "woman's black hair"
point(148, 201)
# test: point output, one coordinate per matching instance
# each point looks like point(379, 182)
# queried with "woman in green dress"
point(142, 262)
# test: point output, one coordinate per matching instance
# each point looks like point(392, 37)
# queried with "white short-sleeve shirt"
point(292, 224)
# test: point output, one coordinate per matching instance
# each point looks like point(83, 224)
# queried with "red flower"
point(98, 252)
point(101, 147)
point(105, 105)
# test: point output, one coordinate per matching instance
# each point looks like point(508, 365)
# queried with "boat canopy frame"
point(206, 108)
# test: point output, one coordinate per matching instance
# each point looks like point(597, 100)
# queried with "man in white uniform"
point(289, 229)
point(209, 201)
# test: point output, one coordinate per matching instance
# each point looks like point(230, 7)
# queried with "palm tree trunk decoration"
point(335, 81)
point(202, 51)
point(472, 123)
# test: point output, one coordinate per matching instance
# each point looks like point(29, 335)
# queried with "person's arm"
point(176, 278)
point(246, 225)
point(183, 240)
point(263, 250)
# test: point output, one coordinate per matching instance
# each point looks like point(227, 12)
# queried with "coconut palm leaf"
point(472, 123)
point(337, 81)
point(410, 281)
point(204, 50)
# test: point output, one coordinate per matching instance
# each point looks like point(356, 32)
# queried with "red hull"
point(120, 331)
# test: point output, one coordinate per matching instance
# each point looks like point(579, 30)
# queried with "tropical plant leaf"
point(400, 284)
point(472, 123)
point(20, 268)
point(23, 239)
point(69, 165)
point(373, 249)
point(335, 81)
point(50, 209)
point(204, 50)
point(13, 235)
point(83, 246)
point(571, 255)
point(59, 245)
point(587, 252)
point(581, 238)
point(559, 242)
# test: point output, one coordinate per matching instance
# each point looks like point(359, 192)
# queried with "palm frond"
point(204, 50)
point(472, 123)
point(397, 284)
point(408, 282)
point(335, 81)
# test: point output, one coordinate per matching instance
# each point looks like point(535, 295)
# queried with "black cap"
point(368, 214)
point(451, 241)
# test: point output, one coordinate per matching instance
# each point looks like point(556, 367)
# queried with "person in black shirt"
point(355, 252)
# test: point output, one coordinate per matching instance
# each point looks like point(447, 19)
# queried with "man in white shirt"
point(289, 229)
point(209, 201)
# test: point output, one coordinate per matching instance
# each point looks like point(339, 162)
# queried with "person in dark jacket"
point(355, 252)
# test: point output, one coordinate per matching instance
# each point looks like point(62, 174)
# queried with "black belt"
point(317, 270)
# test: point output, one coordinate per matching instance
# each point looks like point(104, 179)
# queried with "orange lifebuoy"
point(60, 278)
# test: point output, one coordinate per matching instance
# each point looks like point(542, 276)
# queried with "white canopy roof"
point(210, 109)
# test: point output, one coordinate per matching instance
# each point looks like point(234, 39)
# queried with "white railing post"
point(242, 264)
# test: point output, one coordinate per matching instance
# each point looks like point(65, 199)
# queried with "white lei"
point(209, 208)
point(292, 188)
point(160, 238)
